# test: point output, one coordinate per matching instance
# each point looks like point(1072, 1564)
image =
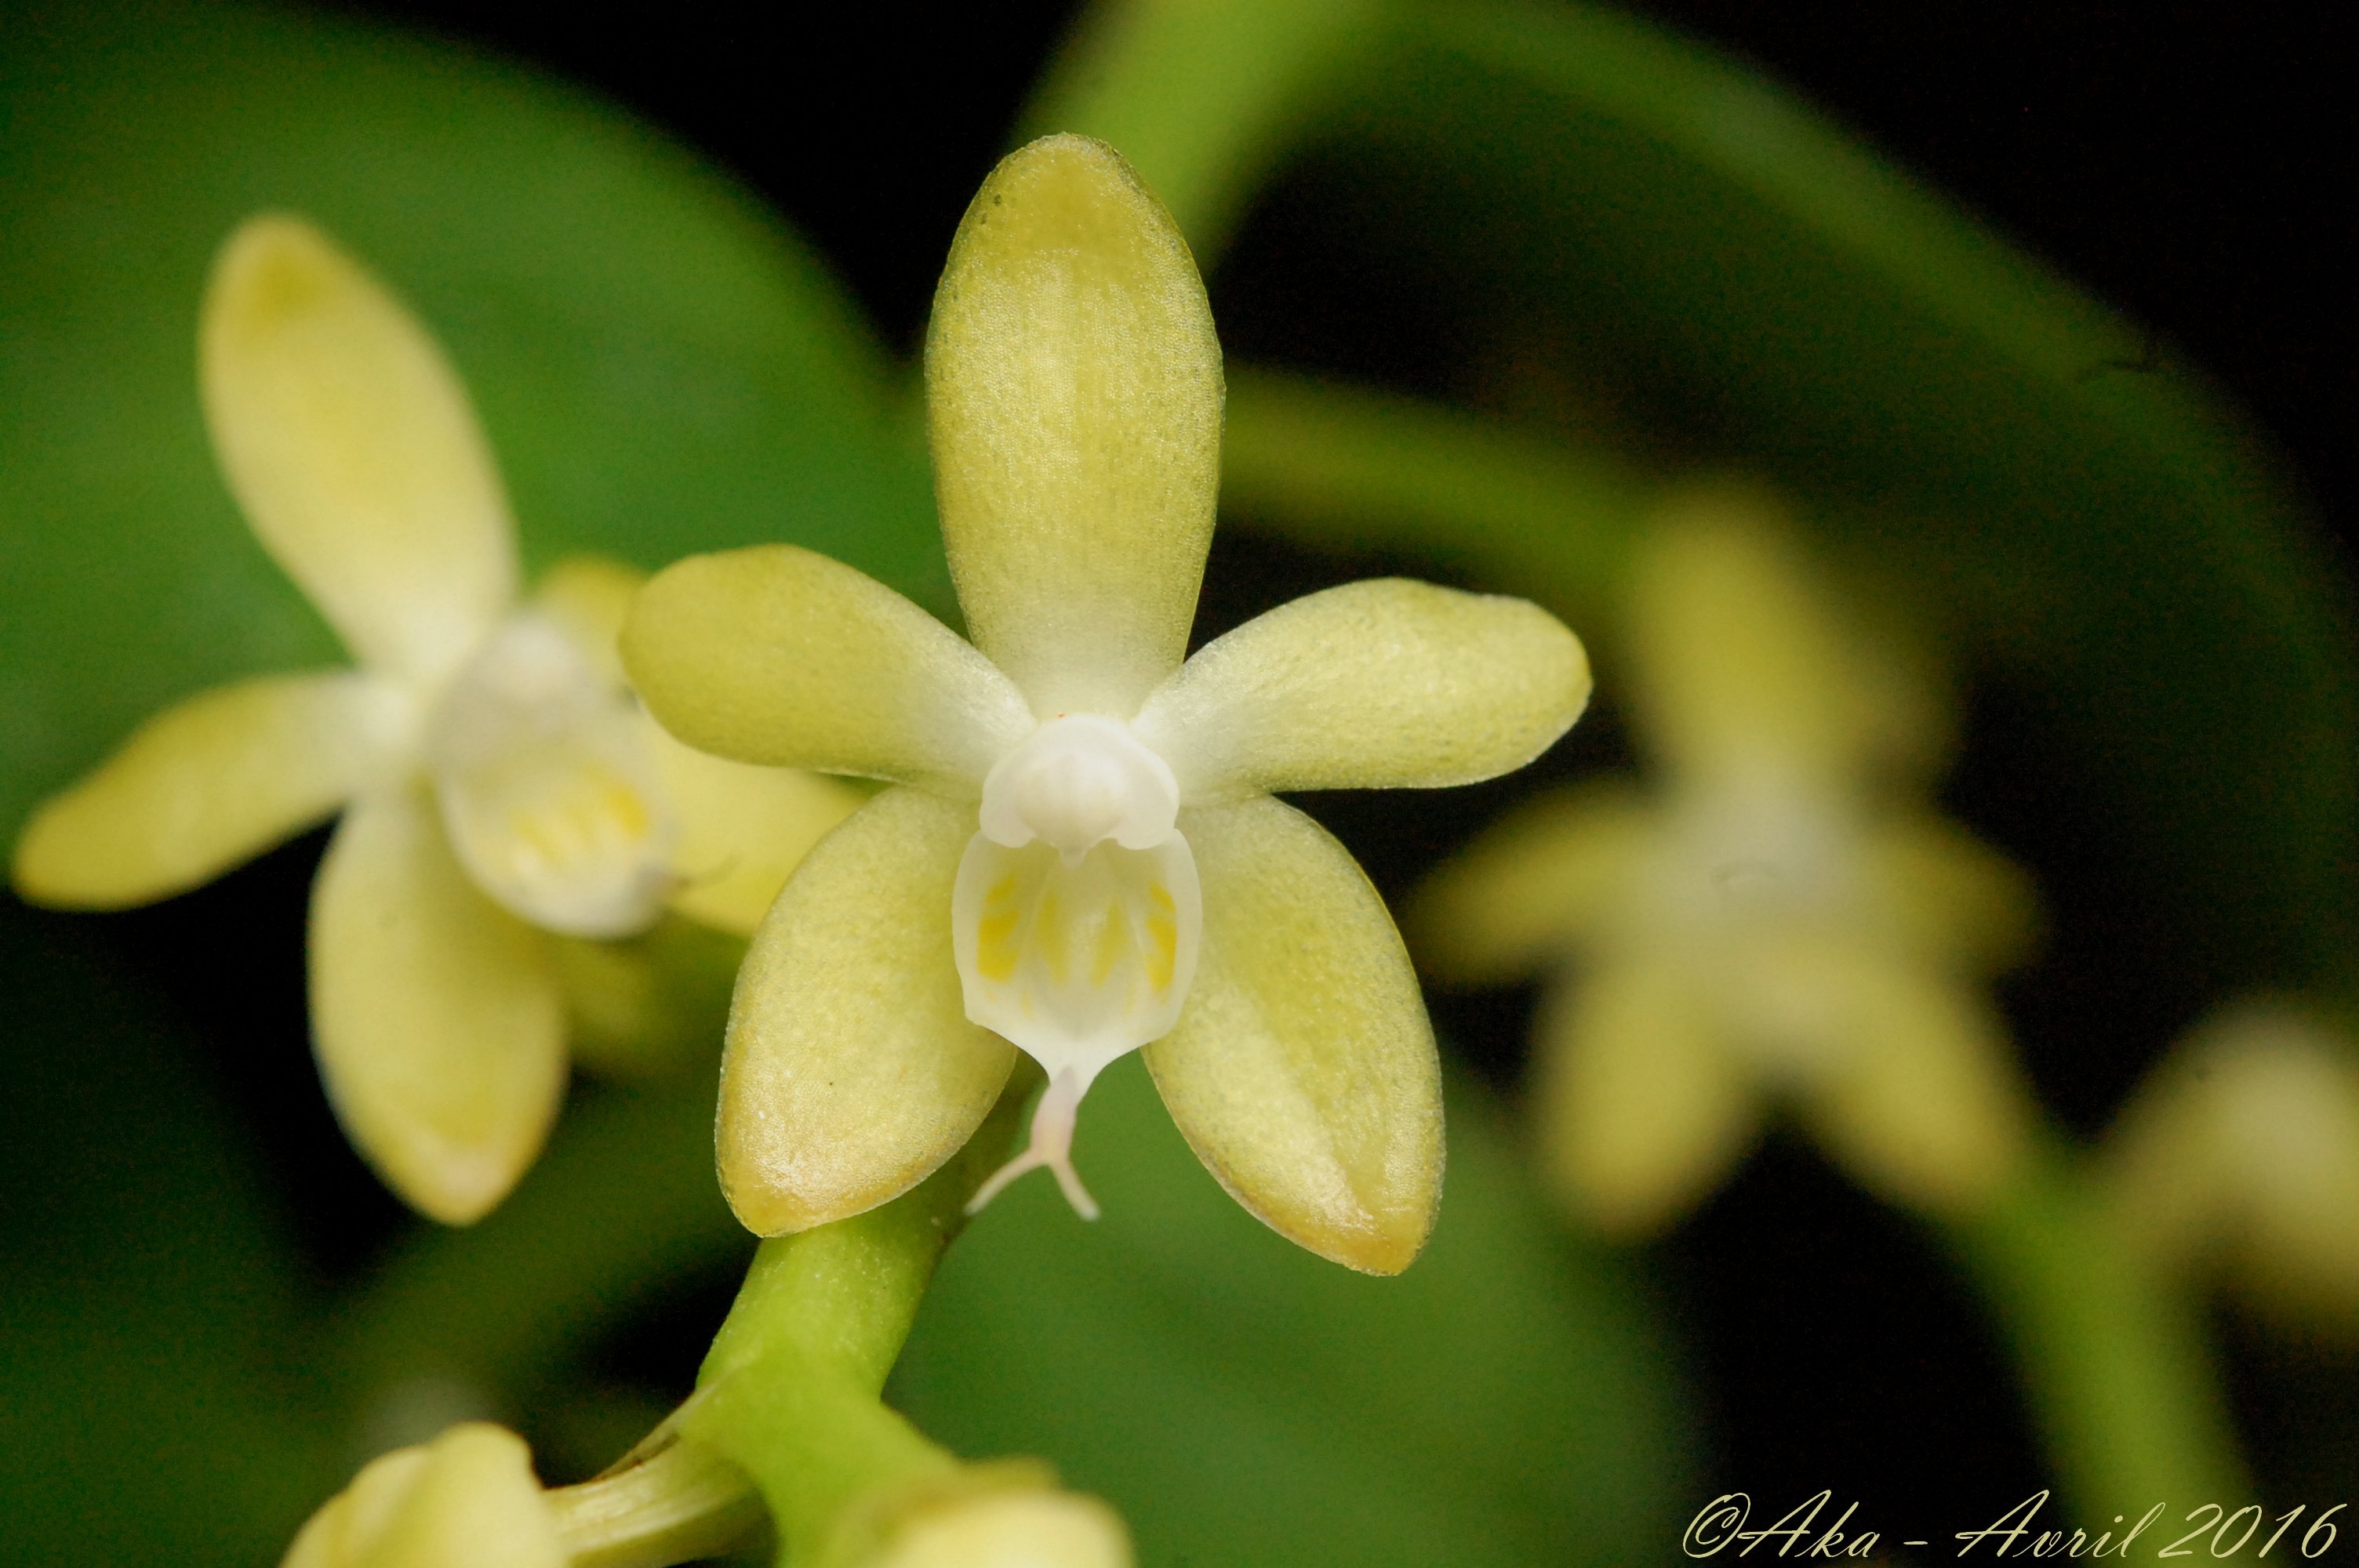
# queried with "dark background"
point(2189, 166)
point(2188, 163)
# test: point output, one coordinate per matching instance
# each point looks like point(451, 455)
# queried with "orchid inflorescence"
point(1076, 853)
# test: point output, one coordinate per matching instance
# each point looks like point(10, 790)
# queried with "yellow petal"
point(782, 657)
point(1381, 684)
point(1073, 397)
point(1544, 878)
point(435, 1013)
point(1734, 652)
point(1921, 1103)
point(1950, 897)
point(851, 1071)
point(348, 439)
point(742, 829)
point(1643, 1108)
point(590, 598)
point(1303, 1070)
point(206, 785)
point(468, 1499)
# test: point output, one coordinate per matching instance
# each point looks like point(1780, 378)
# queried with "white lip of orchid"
point(1077, 781)
point(1081, 956)
point(550, 799)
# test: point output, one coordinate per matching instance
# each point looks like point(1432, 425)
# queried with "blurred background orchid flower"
point(1781, 920)
point(494, 771)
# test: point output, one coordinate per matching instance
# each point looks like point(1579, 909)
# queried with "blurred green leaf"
point(1350, 468)
point(149, 1398)
point(661, 367)
point(621, 1209)
point(1241, 1400)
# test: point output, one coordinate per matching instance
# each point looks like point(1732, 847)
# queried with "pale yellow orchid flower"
point(495, 774)
point(2241, 1152)
point(1767, 926)
point(1081, 855)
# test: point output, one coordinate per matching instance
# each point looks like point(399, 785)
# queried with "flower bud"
point(2243, 1149)
point(468, 1499)
point(1012, 1529)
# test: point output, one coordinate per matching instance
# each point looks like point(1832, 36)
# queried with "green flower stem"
point(790, 1390)
point(2114, 1364)
point(676, 1504)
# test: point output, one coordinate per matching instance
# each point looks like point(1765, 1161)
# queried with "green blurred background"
point(1594, 259)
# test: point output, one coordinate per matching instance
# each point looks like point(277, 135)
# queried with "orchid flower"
point(495, 774)
point(1771, 926)
point(1081, 855)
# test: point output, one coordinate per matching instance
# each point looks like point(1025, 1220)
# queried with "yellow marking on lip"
point(1113, 941)
point(1162, 949)
point(1051, 940)
point(996, 948)
point(602, 815)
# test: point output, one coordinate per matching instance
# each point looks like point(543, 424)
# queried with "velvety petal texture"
point(1074, 396)
point(1302, 1070)
point(1380, 685)
point(779, 656)
point(435, 1013)
point(208, 785)
point(348, 440)
point(468, 1499)
point(851, 1070)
